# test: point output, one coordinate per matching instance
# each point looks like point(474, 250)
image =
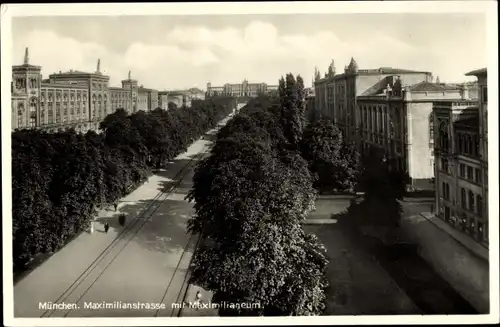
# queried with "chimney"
point(464, 92)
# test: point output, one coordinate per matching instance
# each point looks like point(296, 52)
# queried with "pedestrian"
point(91, 228)
point(106, 227)
point(116, 206)
point(197, 299)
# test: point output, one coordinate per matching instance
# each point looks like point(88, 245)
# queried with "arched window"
point(443, 136)
point(33, 110)
point(20, 112)
point(471, 201)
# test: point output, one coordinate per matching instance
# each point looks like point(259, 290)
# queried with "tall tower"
point(26, 57)
point(209, 89)
point(132, 85)
point(98, 71)
point(26, 80)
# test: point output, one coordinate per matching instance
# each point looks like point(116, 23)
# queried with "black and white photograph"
point(239, 163)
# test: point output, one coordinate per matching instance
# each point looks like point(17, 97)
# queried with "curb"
point(186, 286)
point(456, 239)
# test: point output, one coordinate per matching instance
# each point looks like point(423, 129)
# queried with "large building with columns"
point(461, 150)
point(244, 89)
point(73, 99)
point(390, 109)
point(336, 95)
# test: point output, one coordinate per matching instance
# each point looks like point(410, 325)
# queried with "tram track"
point(84, 283)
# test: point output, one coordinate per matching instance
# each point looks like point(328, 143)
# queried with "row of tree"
point(252, 194)
point(59, 179)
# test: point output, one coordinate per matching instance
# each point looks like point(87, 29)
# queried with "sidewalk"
point(457, 258)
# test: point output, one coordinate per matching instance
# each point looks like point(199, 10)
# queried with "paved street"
point(145, 261)
point(359, 285)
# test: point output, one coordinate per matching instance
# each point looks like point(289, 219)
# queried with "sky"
point(179, 52)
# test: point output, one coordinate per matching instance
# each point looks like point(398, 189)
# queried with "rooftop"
point(195, 90)
point(26, 66)
point(428, 86)
point(391, 70)
point(478, 72)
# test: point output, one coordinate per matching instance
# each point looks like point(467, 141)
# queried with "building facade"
point(180, 97)
point(398, 120)
point(73, 99)
point(461, 199)
point(163, 100)
point(244, 89)
point(461, 144)
point(390, 109)
point(337, 94)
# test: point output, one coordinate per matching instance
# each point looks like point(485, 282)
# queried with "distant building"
point(461, 143)
point(73, 99)
point(244, 89)
point(181, 97)
point(310, 102)
point(163, 100)
point(178, 98)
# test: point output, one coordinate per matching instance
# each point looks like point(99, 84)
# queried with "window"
point(470, 173)
point(476, 146)
point(58, 112)
point(460, 143)
point(33, 119)
point(479, 200)
point(444, 165)
point(471, 201)
point(479, 179)
point(463, 199)
point(446, 191)
point(431, 131)
point(485, 94)
point(462, 170)
point(468, 143)
point(444, 141)
point(20, 117)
